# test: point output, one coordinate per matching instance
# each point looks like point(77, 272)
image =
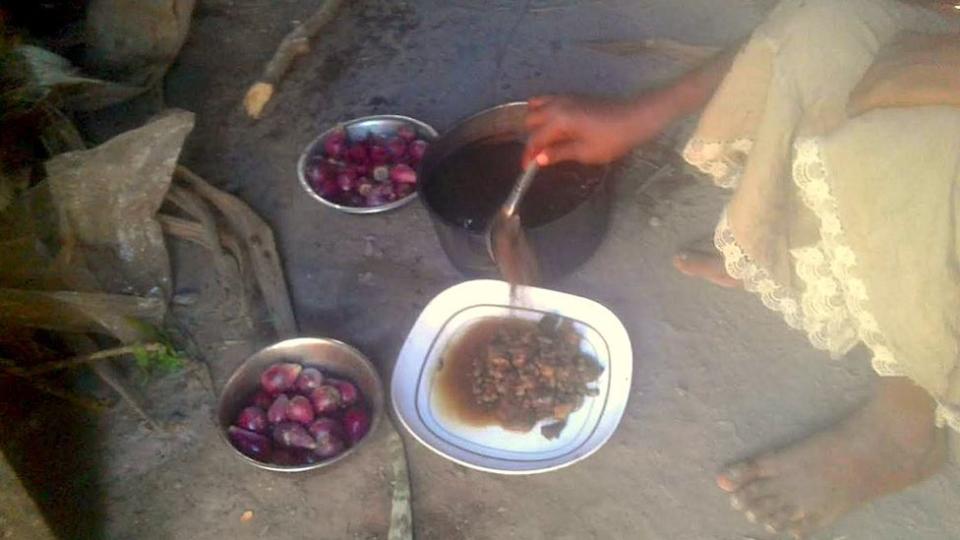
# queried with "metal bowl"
point(330, 356)
point(382, 124)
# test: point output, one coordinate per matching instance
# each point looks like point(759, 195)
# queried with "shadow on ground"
point(52, 447)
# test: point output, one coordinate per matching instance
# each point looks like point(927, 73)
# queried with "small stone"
point(186, 298)
point(246, 516)
point(370, 248)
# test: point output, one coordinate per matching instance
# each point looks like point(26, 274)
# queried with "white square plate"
point(492, 448)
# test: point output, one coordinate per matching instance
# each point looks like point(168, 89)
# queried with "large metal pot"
point(561, 245)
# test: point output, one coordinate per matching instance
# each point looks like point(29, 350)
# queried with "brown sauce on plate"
point(514, 373)
point(454, 379)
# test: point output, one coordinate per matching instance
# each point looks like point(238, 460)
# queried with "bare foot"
point(889, 444)
point(708, 266)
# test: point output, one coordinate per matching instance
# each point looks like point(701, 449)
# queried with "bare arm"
point(690, 92)
point(592, 130)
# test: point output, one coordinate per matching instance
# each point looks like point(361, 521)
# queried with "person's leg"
point(887, 445)
point(704, 265)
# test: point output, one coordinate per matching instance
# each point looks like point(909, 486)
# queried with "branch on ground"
point(295, 44)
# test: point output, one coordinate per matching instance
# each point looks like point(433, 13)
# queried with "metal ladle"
point(505, 231)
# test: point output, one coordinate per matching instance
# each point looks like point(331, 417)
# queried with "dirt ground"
point(717, 376)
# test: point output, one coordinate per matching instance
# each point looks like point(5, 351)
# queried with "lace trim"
point(825, 317)
point(949, 416)
point(833, 309)
point(755, 278)
point(810, 175)
point(814, 312)
point(723, 160)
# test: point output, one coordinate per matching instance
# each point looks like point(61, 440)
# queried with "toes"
point(763, 510)
point(682, 263)
point(708, 266)
point(753, 491)
point(737, 476)
point(777, 521)
point(758, 492)
point(764, 507)
point(802, 527)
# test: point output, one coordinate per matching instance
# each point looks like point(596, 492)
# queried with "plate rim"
point(420, 381)
point(623, 383)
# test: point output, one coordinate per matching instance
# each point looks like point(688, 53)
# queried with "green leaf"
point(165, 360)
point(142, 357)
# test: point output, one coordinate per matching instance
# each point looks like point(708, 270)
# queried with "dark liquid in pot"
point(471, 184)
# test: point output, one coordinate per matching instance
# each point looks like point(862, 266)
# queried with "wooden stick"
point(294, 44)
point(92, 357)
point(192, 231)
point(109, 374)
point(257, 236)
point(192, 204)
point(195, 232)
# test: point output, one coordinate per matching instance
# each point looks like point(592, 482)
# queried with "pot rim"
point(604, 173)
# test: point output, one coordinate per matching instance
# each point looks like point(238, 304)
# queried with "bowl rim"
point(311, 146)
point(374, 420)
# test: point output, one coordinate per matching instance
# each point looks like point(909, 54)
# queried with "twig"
point(257, 237)
point(109, 374)
point(296, 43)
point(92, 357)
point(74, 314)
point(197, 233)
point(192, 231)
point(192, 204)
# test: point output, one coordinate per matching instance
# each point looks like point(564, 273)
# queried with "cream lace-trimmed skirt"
point(849, 227)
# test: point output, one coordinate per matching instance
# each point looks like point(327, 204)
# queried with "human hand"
point(591, 130)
